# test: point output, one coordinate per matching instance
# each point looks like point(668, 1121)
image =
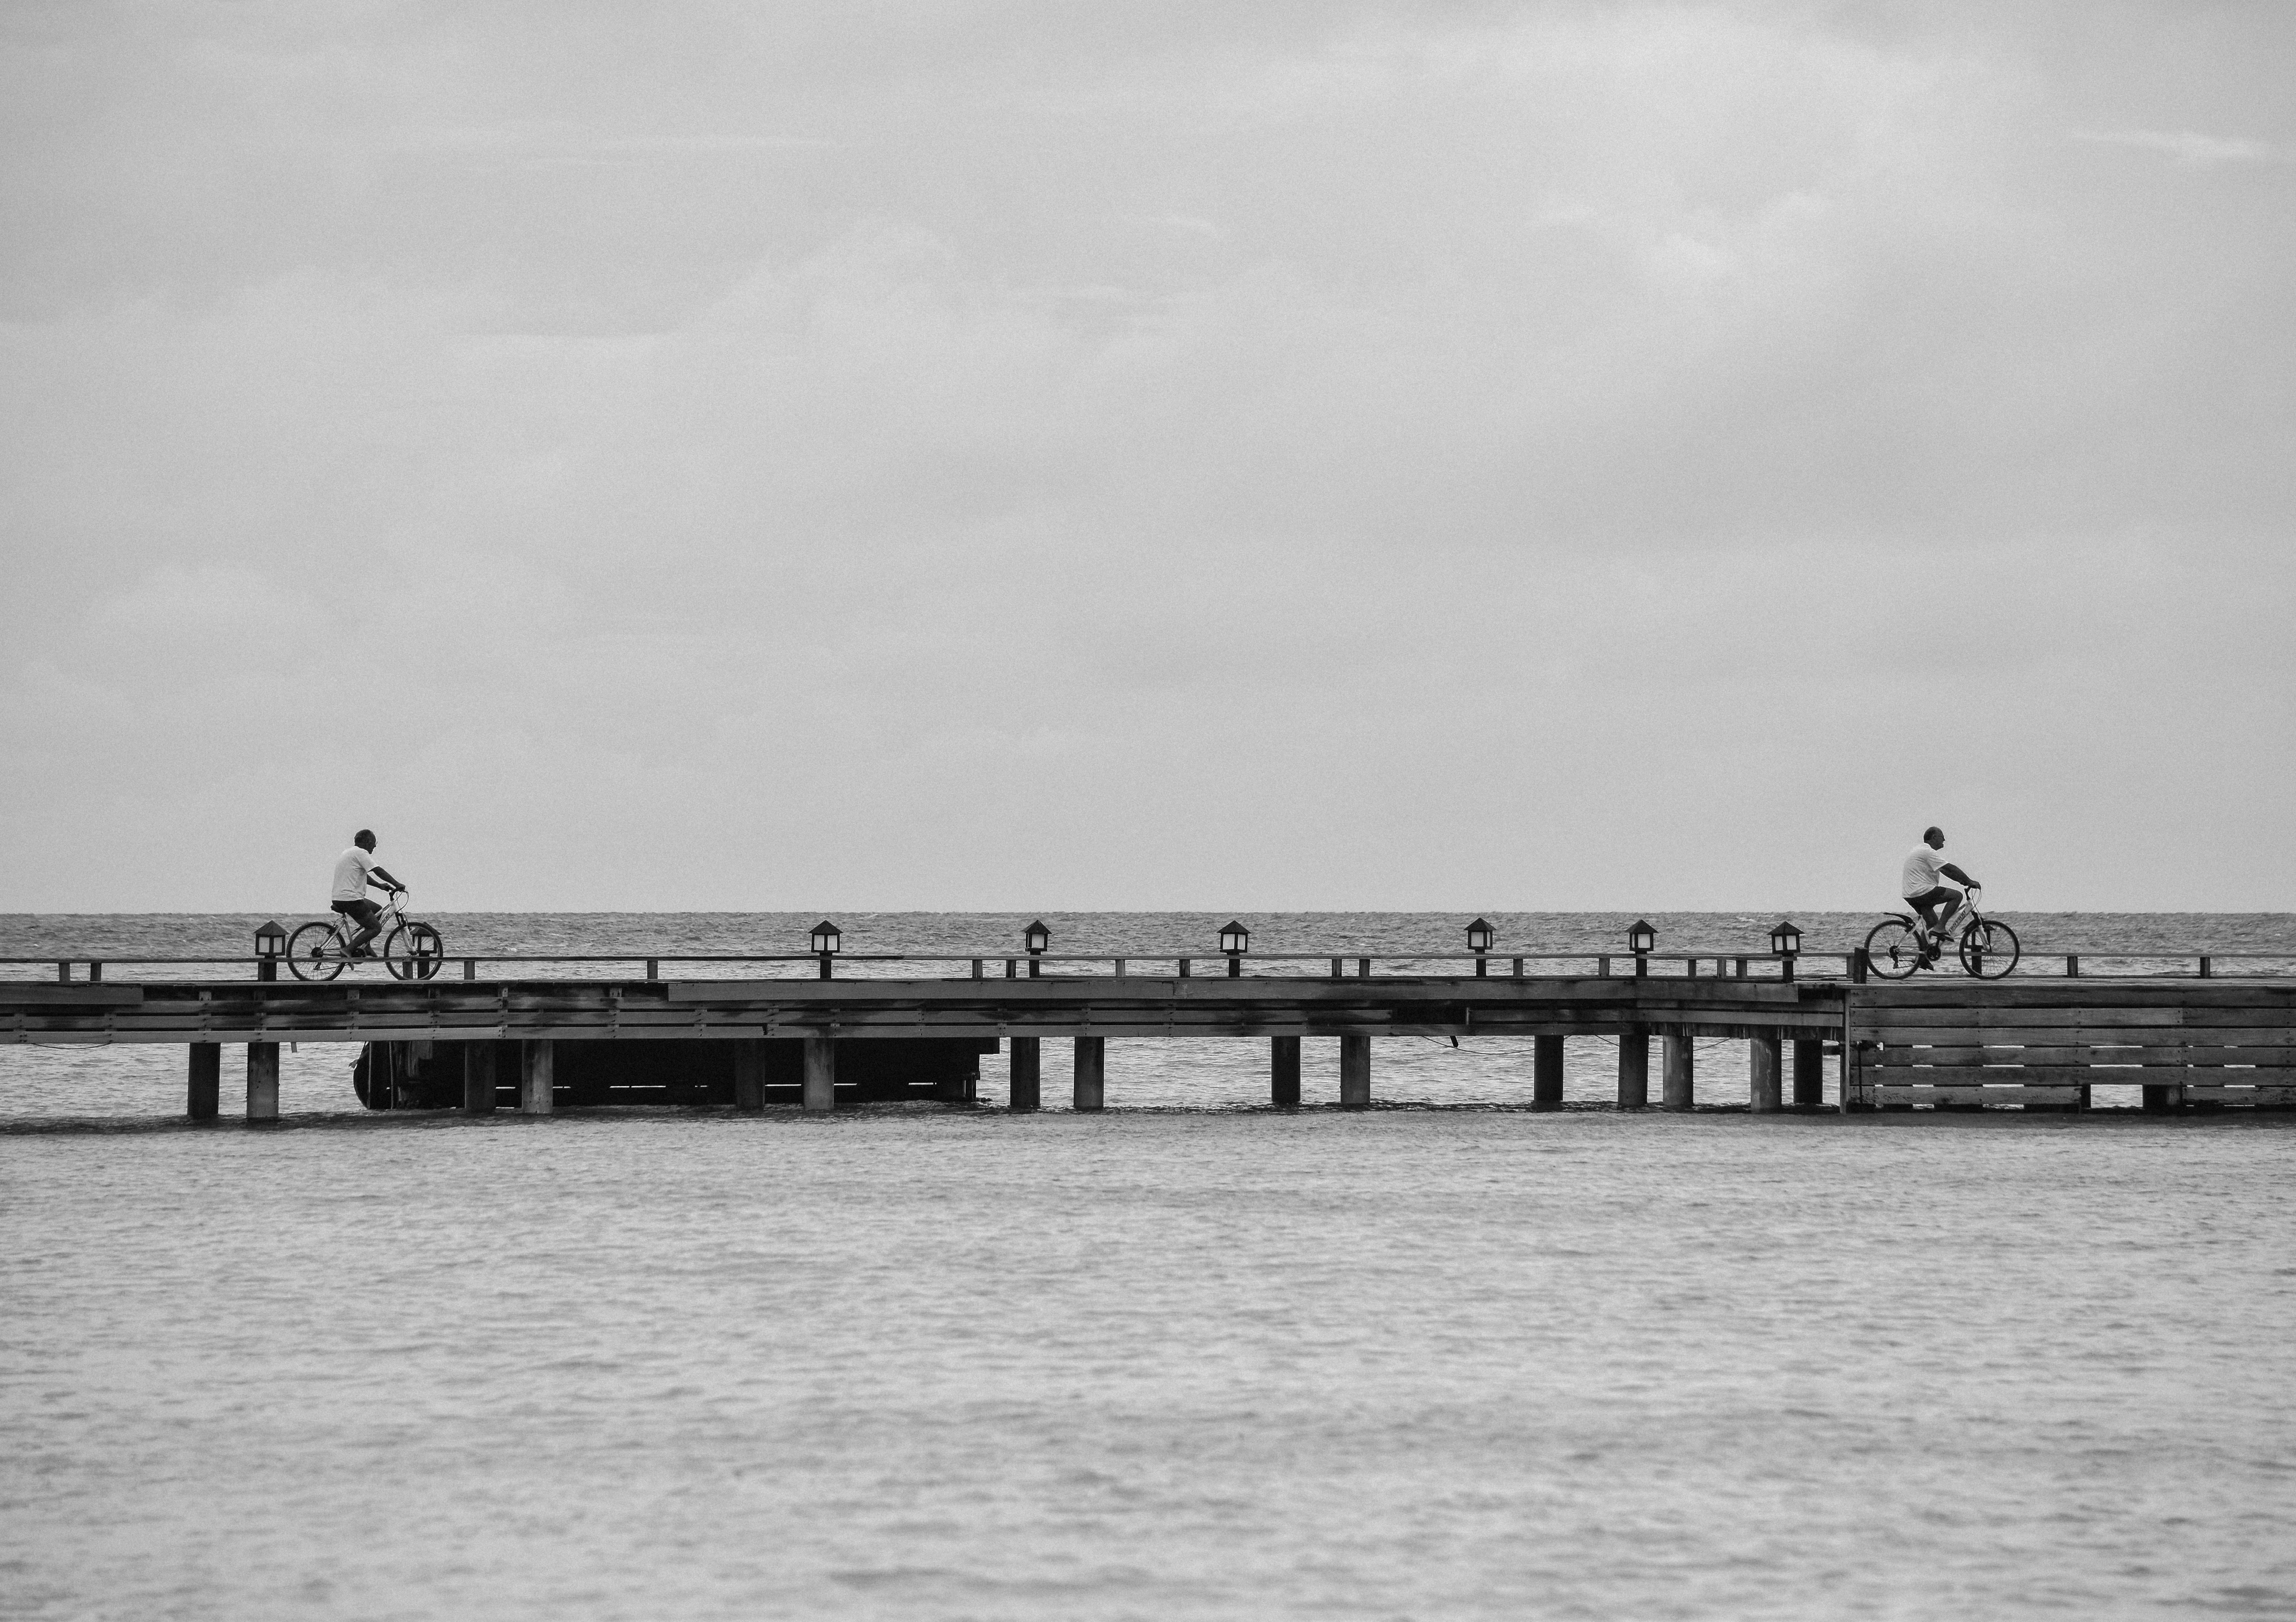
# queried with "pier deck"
point(1952, 1043)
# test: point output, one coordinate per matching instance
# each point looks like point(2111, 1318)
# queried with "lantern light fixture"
point(1641, 938)
point(1037, 937)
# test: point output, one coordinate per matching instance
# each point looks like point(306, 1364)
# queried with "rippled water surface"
point(913, 1362)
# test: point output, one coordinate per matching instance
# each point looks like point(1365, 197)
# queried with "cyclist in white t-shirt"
point(1936, 903)
point(356, 869)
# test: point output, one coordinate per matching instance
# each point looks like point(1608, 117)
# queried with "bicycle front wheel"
point(1892, 951)
point(1988, 949)
point(413, 952)
point(314, 952)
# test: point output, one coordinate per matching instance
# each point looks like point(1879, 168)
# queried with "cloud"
point(1305, 457)
point(2185, 145)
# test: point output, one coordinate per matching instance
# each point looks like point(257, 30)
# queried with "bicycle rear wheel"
point(413, 952)
point(1988, 949)
point(314, 952)
point(1892, 950)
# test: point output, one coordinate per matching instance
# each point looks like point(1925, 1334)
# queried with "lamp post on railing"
point(1642, 941)
point(1038, 940)
point(826, 938)
point(1479, 936)
point(270, 946)
point(1785, 940)
point(1235, 940)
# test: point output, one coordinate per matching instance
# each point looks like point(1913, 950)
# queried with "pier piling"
point(1091, 1072)
point(1763, 1089)
point(1678, 1085)
point(750, 1074)
point(820, 1074)
point(1546, 1072)
point(263, 1081)
point(1025, 1090)
point(1355, 1073)
point(477, 1078)
point(1633, 1069)
point(1283, 1070)
point(1809, 1073)
point(537, 1075)
point(203, 1092)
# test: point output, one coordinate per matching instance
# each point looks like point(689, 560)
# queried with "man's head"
point(1933, 837)
point(364, 838)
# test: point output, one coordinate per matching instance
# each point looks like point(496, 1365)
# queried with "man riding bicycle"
point(1936, 903)
point(355, 870)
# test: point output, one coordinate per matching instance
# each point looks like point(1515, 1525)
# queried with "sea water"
point(1194, 1359)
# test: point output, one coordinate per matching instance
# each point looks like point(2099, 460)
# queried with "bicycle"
point(411, 951)
point(1898, 944)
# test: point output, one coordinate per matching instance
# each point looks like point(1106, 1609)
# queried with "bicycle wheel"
point(1892, 949)
point(413, 952)
point(1988, 949)
point(314, 952)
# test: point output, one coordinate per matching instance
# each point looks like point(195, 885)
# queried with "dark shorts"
point(1937, 897)
point(365, 911)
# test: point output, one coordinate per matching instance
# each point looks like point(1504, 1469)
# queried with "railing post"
point(63, 973)
point(976, 970)
point(470, 969)
point(1860, 965)
point(653, 968)
point(2072, 966)
point(95, 970)
point(2204, 967)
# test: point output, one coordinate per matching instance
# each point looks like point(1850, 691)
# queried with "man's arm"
point(378, 877)
point(1957, 875)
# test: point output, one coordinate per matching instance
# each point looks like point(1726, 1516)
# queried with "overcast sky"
point(1241, 455)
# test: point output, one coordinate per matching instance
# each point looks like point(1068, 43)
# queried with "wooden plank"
point(2069, 1036)
point(1962, 1053)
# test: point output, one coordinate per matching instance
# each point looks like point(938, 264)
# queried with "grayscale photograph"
point(988, 810)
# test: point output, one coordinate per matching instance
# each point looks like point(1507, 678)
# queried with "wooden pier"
point(2191, 1043)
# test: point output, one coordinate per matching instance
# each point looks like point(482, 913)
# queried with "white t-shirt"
point(351, 874)
point(1921, 875)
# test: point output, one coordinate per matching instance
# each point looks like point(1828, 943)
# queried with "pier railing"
point(1718, 963)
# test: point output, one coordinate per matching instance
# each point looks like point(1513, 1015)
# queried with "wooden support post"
point(1284, 1072)
point(750, 1074)
point(1091, 1073)
point(2163, 1099)
point(1678, 1087)
point(1546, 1072)
point(1810, 1073)
point(1634, 1069)
point(477, 1078)
point(820, 1074)
point(1355, 1073)
point(537, 1073)
point(1762, 1067)
point(1026, 1089)
point(203, 1098)
point(263, 1081)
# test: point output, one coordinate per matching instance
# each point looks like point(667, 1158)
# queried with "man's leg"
point(1951, 906)
point(369, 918)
